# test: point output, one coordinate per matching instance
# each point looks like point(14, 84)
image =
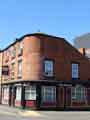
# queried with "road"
point(7, 113)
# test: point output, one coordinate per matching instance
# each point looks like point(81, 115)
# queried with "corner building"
point(41, 71)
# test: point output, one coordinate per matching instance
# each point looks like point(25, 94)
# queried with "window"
point(49, 94)
point(48, 68)
point(20, 49)
point(13, 52)
point(6, 56)
point(73, 93)
point(30, 93)
point(12, 70)
point(6, 93)
point(5, 70)
point(18, 93)
point(75, 72)
point(20, 68)
point(78, 93)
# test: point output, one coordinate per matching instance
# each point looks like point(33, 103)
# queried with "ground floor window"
point(18, 93)
point(6, 93)
point(49, 94)
point(30, 93)
point(78, 93)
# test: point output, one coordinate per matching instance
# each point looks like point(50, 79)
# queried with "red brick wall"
point(36, 48)
point(64, 54)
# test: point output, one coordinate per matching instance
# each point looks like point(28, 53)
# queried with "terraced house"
point(42, 71)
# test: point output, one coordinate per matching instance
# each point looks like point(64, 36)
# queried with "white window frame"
point(30, 93)
point(48, 68)
point(76, 92)
point(12, 70)
point(20, 49)
point(6, 93)
point(75, 70)
point(18, 93)
point(53, 93)
point(20, 68)
point(13, 51)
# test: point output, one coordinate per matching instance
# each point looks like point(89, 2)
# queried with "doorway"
point(12, 96)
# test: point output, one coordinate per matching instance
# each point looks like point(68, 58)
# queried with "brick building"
point(41, 71)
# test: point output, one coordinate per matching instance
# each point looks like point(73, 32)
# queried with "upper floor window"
point(13, 52)
point(48, 68)
point(20, 68)
point(7, 55)
point(12, 70)
point(5, 70)
point(20, 49)
point(75, 71)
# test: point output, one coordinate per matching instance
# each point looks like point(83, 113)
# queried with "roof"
point(28, 35)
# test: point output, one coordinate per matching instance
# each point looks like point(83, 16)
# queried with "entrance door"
point(12, 96)
point(67, 97)
point(60, 97)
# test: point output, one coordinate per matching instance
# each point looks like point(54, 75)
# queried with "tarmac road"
point(9, 113)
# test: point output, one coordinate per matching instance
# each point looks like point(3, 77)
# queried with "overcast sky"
point(65, 18)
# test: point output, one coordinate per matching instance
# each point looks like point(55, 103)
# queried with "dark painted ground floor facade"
point(47, 95)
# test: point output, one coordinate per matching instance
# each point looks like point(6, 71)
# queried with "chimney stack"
point(82, 51)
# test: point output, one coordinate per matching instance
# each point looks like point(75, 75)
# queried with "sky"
point(63, 18)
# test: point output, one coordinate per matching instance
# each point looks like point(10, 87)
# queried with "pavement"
point(10, 113)
point(17, 111)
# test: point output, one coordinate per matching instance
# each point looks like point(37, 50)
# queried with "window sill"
point(48, 104)
point(19, 77)
point(12, 58)
point(12, 78)
point(49, 77)
point(5, 79)
point(75, 78)
point(77, 101)
point(19, 55)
